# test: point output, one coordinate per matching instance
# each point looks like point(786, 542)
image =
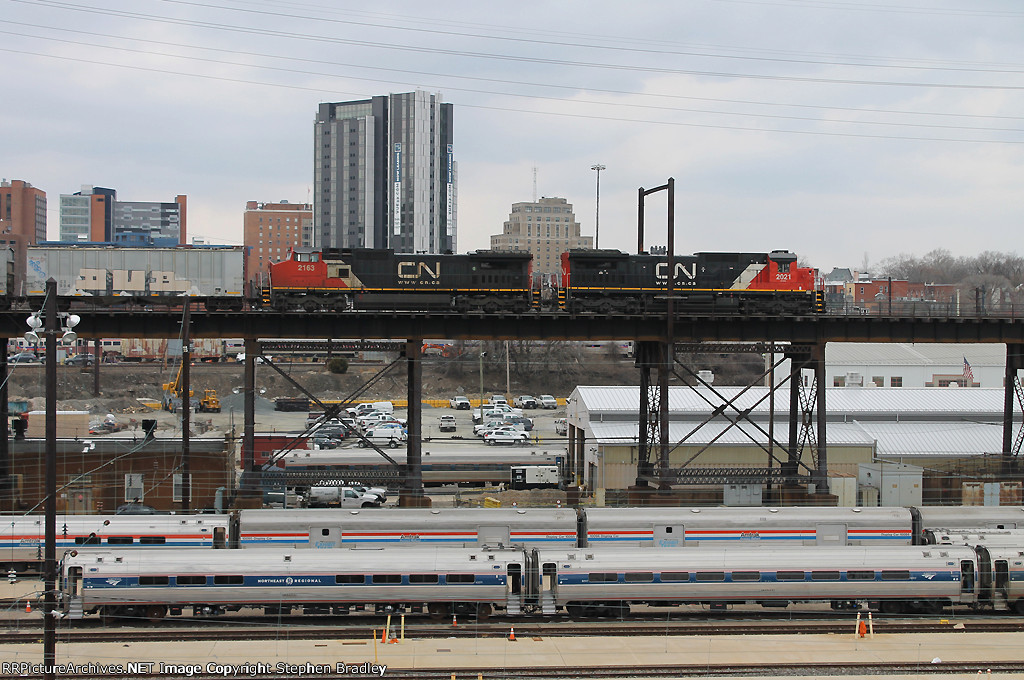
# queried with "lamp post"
point(48, 325)
point(482, 355)
point(597, 218)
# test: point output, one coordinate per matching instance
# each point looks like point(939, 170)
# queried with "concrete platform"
point(490, 653)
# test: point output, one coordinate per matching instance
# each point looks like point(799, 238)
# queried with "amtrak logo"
point(928, 576)
point(113, 581)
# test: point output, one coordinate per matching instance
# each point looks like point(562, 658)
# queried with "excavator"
point(173, 392)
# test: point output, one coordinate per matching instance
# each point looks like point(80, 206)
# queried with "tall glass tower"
point(385, 174)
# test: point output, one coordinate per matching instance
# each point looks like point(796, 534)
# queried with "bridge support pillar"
point(654, 438)
point(413, 484)
point(1012, 389)
point(807, 421)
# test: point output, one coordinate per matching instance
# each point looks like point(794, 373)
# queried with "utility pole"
point(597, 219)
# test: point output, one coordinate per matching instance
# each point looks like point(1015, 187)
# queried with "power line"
point(528, 59)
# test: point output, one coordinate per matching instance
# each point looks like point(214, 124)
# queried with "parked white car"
point(498, 399)
point(375, 418)
point(460, 403)
point(547, 401)
point(491, 412)
point(384, 436)
point(506, 435)
point(483, 428)
point(525, 401)
point(447, 424)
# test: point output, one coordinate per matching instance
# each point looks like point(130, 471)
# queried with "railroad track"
point(159, 633)
point(804, 670)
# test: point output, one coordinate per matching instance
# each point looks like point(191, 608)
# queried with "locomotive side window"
point(639, 577)
point(190, 580)
point(120, 540)
point(91, 539)
point(152, 540)
point(895, 575)
point(424, 578)
point(860, 576)
point(378, 579)
point(459, 578)
point(746, 576)
point(154, 580)
point(348, 579)
point(667, 576)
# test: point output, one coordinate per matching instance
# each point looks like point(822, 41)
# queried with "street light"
point(482, 355)
point(597, 220)
point(48, 326)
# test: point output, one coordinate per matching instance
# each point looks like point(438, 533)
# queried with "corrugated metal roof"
point(893, 440)
point(914, 354)
point(933, 439)
point(627, 434)
point(903, 402)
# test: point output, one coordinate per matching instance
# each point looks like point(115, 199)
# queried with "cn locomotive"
point(591, 281)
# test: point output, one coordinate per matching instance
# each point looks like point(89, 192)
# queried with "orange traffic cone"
point(512, 634)
point(28, 607)
point(455, 622)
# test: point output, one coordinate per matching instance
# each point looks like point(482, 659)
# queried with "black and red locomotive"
point(592, 281)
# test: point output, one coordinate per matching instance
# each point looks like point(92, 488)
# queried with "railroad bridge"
point(801, 340)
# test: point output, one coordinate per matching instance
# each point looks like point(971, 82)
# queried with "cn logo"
point(418, 270)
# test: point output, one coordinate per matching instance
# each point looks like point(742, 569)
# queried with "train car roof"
point(452, 517)
point(971, 517)
point(797, 558)
point(109, 522)
point(797, 516)
point(517, 455)
point(254, 560)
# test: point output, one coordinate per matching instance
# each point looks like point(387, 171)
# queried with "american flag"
point(968, 373)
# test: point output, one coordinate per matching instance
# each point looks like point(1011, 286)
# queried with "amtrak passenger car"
point(580, 581)
point(446, 527)
point(22, 536)
point(438, 581)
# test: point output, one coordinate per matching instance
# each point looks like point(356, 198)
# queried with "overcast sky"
point(839, 130)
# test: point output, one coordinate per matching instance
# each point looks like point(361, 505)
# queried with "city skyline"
point(843, 133)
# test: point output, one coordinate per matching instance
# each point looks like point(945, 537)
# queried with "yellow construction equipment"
point(173, 392)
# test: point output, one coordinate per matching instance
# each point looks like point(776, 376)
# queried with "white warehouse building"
point(902, 427)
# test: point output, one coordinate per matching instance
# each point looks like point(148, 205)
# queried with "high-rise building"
point(271, 229)
point(95, 215)
point(547, 228)
point(22, 221)
point(385, 174)
point(150, 223)
point(87, 215)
